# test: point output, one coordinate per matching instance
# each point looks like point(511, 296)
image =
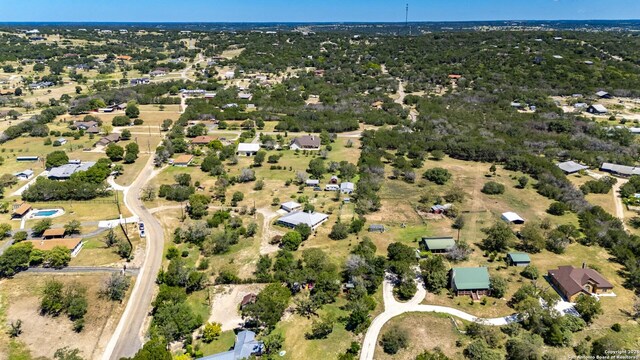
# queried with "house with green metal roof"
point(518, 259)
point(472, 281)
point(438, 245)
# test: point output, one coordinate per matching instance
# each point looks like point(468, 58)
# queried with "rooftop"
point(183, 159)
point(46, 245)
point(573, 279)
point(519, 257)
point(469, 278)
point(439, 243)
point(65, 171)
point(248, 147)
point(571, 167)
point(53, 232)
point(311, 219)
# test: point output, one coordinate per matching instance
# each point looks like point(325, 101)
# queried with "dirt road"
point(128, 336)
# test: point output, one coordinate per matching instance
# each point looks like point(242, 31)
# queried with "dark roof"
point(572, 280)
point(248, 299)
point(307, 141)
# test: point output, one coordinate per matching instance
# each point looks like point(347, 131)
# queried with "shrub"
point(557, 208)
point(394, 340)
point(439, 176)
point(530, 272)
point(493, 188)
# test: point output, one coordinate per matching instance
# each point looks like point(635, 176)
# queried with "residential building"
point(139, 81)
point(438, 245)
point(21, 211)
point(313, 220)
point(203, 140)
point(603, 95)
point(158, 72)
point(64, 172)
point(245, 347)
point(111, 138)
point(248, 299)
point(290, 206)
point(518, 259)
point(571, 167)
point(248, 149)
point(620, 170)
point(183, 160)
point(571, 282)
point(73, 244)
point(307, 142)
point(472, 281)
point(512, 218)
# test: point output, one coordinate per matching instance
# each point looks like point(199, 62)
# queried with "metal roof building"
point(65, 171)
point(312, 219)
point(571, 167)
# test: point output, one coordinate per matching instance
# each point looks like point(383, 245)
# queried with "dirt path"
point(617, 199)
point(225, 305)
point(268, 232)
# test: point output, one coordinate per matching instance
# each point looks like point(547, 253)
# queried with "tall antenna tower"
point(406, 20)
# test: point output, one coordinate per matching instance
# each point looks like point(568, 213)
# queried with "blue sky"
point(307, 10)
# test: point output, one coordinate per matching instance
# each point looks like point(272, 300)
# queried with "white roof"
point(248, 147)
point(511, 216)
point(290, 205)
point(599, 107)
point(347, 186)
point(620, 169)
point(311, 219)
point(571, 166)
point(602, 93)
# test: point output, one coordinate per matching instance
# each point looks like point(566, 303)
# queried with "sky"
point(313, 11)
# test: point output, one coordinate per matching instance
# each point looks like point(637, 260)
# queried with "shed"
point(290, 206)
point(438, 245)
point(347, 187)
point(312, 182)
point(603, 95)
point(512, 217)
point(331, 187)
point(376, 228)
point(248, 299)
point(597, 109)
point(472, 281)
point(27, 158)
point(518, 259)
point(24, 175)
point(21, 211)
point(248, 149)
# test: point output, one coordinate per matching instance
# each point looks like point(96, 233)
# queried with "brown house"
point(111, 138)
point(203, 140)
point(571, 282)
point(248, 299)
point(307, 142)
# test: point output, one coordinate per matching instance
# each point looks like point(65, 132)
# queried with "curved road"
point(128, 336)
point(393, 308)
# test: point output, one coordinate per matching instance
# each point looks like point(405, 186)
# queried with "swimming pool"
point(45, 213)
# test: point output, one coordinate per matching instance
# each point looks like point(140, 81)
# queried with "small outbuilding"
point(24, 175)
point(518, 259)
point(53, 233)
point(247, 300)
point(312, 182)
point(441, 209)
point(571, 167)
point(347, 187)
point(512, 218)
point(183, 160)
point(597, 109)
point(376, 228)
point(603, 95)
point(290, 206)
point(21, 211)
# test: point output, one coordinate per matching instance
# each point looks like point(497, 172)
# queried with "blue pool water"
point(45, 213)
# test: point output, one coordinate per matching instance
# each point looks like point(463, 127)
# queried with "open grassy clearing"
point(43, 335)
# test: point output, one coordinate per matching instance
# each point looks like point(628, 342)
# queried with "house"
point(203, 140)
point(597, 109)
point(93, 130)
point(307, 142)
point(441, 209)
point(518, 259)
point(347, 187)
point(24, 175)
point(290, 206)
point(183, 160)
point(245, 347)
point(512, 218)
point(53, 234)
point(472, 281)
point(65, 171)
point(571, 167)
point(620, 170)
point(139, 81)
point(438, 245)
point(85, 125)
point(603, 95)
point(248, 149)
point(248, 299)
point(27, 158)
point(157, 72)
point(376, 228)
point(74, 245)
point(332, 187)
point(229, 75)
point(312, 182)
point(245, 96)
point(111, 138)
point(571, 282)
point(21, 211)
point(61, 141)
point(313, 220)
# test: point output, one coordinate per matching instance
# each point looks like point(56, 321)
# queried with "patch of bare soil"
point(225, 306)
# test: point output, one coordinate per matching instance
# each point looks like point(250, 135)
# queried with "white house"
point(290, 206)
point(331, 187)
point(512, 218)
point(347, 187)
point(229, 75)
point(62, 141)
point(312, 219)
point(248, 149)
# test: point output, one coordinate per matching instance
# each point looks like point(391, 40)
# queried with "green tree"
point(317, 168)
point(115, 287)
point(437, 175)
point(52, 298)
point(435, 354)
point(259, 158)
point(589, 308)
point(126, 134)
point(291, 241)
point(57, 258)
point(40, 227)
point(269, 306)
point(394, 340)
point(114, 152)
point(492, 188)
point(198, 205)
point(5, 230)
point(304, 230)
point(499, 237)
point(67, 354)
point(434, 273)
point(132, 111)
point(530, 272)
point(211, 332)
point(339, 231)
point(498, 286)
point(154, 349)
point(533, 240)
point(56, 158)
point(72, 227)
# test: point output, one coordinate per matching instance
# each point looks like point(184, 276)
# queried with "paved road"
point(128, 336)
point(393, 308)
point(81, 270)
